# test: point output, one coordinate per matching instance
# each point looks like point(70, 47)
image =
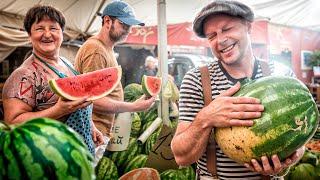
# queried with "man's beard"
point(117, 37)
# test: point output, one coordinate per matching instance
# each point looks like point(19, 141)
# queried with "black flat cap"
point(227, 7)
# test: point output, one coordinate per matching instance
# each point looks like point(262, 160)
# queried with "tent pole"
point(163, 58)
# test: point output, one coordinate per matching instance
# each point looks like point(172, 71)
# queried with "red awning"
point(182, 34)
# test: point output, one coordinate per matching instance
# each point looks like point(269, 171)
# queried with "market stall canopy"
point(82, 19)
point(178, 33)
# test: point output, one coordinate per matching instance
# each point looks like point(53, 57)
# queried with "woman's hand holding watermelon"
point(226, 111)
point(265, 167)
point(64, 107)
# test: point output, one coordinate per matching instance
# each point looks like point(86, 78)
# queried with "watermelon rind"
point(138, 161)
point(106, 170)
point(132, 92)
point(56, 89)
point(171, 174)
point(146, 90)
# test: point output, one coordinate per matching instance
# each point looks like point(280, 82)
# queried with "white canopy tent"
point(82, 19)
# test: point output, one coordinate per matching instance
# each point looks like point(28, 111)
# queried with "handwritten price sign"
point(161, 157)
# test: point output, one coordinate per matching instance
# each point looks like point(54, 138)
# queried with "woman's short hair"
point(39, 12)
point(149, 59)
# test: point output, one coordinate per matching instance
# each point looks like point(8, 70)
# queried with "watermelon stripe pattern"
point(106, 170)
point(132, 92)
point(172, 174)
point(137, 162)
point(44, 148)
point(121, 158)
point(151, 141)
point(289, 120)
point(136, 125)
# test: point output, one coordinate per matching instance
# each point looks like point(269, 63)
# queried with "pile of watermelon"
point(307, 168)
point(115, 164)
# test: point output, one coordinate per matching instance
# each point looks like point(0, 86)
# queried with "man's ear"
point(107, 20)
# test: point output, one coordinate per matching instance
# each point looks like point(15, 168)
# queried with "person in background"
point(26, 93)
point(97, 53)
point(226, 24)
point(150, 67)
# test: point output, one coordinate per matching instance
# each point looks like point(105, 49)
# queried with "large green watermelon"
point(188, 172)
point(106, 169)
point(151, 85)
point(93, 85)
point(132, 92)
point(172, 174)
point(121, 158)
point(135, 125)
point(151, 141)
point(43, 149)
point(137, 162)
point(303, 171)
point(289, 120)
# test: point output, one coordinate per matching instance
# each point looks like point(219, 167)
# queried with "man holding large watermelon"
point(97, 53)
point(227, 27)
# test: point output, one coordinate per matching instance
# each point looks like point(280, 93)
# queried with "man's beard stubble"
point(117, 37)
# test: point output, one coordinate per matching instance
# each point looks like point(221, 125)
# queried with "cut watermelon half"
point(93, 85)
point(151, 85)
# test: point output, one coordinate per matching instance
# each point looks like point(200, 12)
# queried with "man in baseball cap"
point(226, 24)
point(98, 53)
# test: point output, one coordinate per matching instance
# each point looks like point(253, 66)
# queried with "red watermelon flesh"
point(151, 85)
point(94, 85)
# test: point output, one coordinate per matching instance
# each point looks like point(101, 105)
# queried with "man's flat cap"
point(227, 7)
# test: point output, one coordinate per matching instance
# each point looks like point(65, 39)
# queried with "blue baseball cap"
point(122, 11)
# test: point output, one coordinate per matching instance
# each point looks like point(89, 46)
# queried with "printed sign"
point(120, 132)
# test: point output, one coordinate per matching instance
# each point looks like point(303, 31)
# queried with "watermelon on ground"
point(43, 149)
point(121, 158)
point(137, 162)
point(151, 85)
point(93, 85)
point(303, 171)
point(106, 169)
point(136, 125)
point(150, 115)
point(309, 157)
point(289, 120)
point(151, 141)
point(132, 92)
point(188, 172)
point(172, 174)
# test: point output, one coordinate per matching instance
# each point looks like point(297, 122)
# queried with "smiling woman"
point(26, 93)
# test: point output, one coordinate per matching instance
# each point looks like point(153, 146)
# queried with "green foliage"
point(315, 59)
